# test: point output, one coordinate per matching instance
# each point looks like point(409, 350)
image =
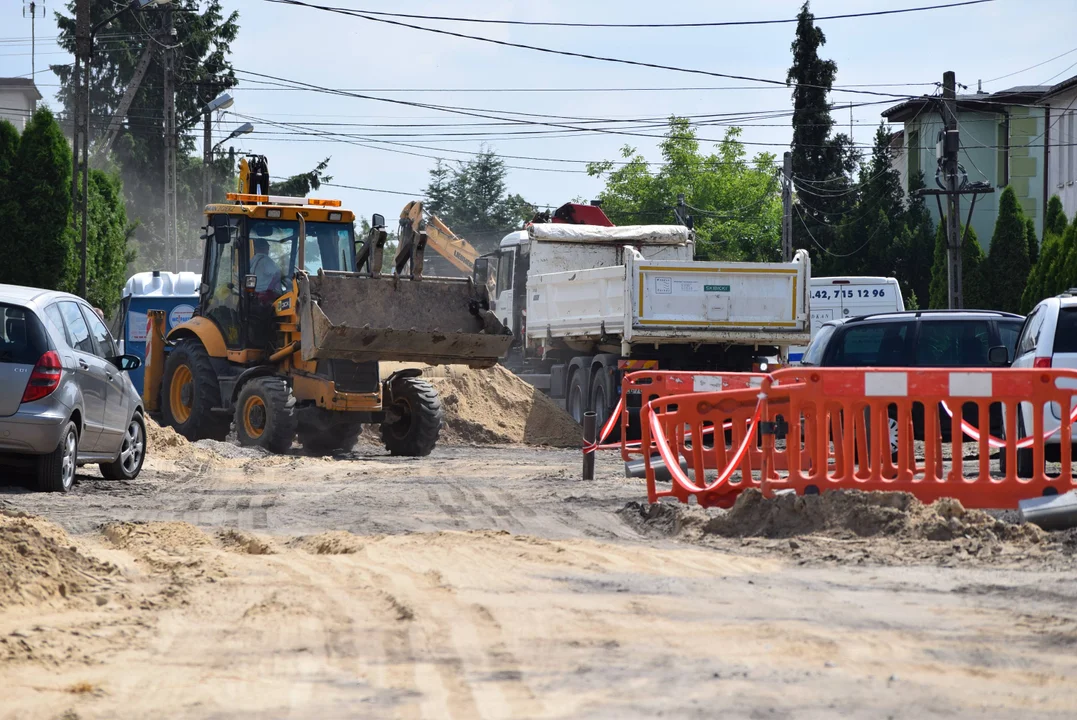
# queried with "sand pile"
point(40, 565)
point(495, 406)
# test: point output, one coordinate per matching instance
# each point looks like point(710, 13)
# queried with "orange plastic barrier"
point(834, 426)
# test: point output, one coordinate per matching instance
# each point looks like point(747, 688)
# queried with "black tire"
point(602, 401)
point(576, 399)
point(132, 452)
point(265, 414)
point(319, 441)
point(55, 472)
point(193, 415)
point(1024, 455)
point(415, 432)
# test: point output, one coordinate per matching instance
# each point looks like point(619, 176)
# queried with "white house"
point(1061, 104)
point(18, 100)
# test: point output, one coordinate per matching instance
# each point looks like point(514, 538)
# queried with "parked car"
point(927, 338)
point(65, 397)
point(848, 296)
point(1048, 339)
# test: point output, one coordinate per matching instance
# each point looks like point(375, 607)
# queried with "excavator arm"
point(415, 222)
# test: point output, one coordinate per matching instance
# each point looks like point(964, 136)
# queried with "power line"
point(732, 23)
point(1032, 67)
point(568, 53)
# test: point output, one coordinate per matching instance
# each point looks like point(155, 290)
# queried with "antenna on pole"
point(31, 9)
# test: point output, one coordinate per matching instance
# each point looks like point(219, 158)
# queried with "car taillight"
point(45, 378)
point(1041, 362)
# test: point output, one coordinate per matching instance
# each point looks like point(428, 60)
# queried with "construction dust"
point(41, 565)
point(854, 526)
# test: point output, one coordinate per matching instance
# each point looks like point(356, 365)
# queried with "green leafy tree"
point(1007, 262)
point(1055, 221)
point(42, 254)
point(735, 202)
point(822, 164)
point(1032, 241)
point(974, 284)
point(915, 252)
point(9, 207)
point(108, 254)
point(1045, 275)
point(303, 184)
point(202, 44)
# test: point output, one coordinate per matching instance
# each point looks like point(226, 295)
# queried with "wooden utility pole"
point(950, 145)
point(169, 69)
point(80, 129)
point(787, 207)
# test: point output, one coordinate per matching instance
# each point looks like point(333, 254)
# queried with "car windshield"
point(330, 246)
point(22, 337)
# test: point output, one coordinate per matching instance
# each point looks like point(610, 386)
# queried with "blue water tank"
point(175, 293)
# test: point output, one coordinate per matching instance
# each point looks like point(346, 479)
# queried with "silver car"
point(65, 397)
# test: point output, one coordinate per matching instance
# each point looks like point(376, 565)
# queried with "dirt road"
point(493, 583)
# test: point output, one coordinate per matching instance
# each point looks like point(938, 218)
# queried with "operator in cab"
point(264, 267)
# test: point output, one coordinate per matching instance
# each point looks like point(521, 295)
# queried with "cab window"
point(504, 271)
point(330, 246)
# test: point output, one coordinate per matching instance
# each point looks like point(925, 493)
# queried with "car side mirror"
point(377, 221)
point(221, 235)
point(127, 362)
point(998, 356)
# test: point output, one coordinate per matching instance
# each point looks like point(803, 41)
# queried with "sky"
point(901, 54)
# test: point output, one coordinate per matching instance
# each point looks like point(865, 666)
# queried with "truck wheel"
point(576, 400)
point(190, 392)
point(417, 409)
point(265, 414)
point(602, 401)
point(319, 442)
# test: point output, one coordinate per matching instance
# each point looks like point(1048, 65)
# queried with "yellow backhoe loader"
point(290, 329)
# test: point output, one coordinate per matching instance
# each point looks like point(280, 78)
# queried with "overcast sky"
point(979, 42)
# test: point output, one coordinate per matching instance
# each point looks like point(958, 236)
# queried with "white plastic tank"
point(175, 293)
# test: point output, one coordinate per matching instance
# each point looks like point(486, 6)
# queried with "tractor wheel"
point(190, 392)
point(415, 418)
point(265, 414)
point(320, 442)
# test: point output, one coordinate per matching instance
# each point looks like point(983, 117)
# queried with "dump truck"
point(587, 301)
point(293, 319)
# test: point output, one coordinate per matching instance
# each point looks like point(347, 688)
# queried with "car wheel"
point(56, 471)
point(128, 464)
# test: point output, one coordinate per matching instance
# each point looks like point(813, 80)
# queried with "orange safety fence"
point(812, 430)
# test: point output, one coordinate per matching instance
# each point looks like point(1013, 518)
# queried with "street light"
point(84, 52)
point(241, 130)
point(221, 102)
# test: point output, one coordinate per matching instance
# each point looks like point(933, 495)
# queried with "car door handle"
point(110, 378)
point(83, 364)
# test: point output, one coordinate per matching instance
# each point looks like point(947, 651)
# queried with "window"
point(953, 343)
point(504, 271)
point(330, 246)
point(55, 319)
point(78, 332)
point(878, 345)
point(22, 337)
point(1007, 335)
point(814, 354)
point(102, 340)
point(1066, 331)
point(1030, 334)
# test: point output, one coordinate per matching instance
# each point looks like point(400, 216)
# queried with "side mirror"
point(999, 356)
point(127, 362)
point(377, 221)
point(222, 235)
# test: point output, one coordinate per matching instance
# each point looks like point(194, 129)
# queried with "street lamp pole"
point(220, 103)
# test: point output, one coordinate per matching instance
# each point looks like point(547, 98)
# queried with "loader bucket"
point(350, 316)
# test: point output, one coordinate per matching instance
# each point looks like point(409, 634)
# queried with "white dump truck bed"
point(639, 283)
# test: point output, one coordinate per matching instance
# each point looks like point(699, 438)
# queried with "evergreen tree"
point(822, 164)
point(302, 184)
point(974, 284)
point(1007, 267)
point(9, 207)
point(108, 255)
point(439, 190)
point(1033, 242)
point(914, 259)
point(44, 252)
point(1055, 222)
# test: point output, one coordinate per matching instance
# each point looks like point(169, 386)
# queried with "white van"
point(833, 298)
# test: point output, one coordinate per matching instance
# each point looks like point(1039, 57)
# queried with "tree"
point(303, 184)
point(1007, 262)
point(9, 207)
point(915, 251)
point(202, 43)
point(821, 164)
point(1055, 222)
point(1046, 276)
point(974, 285)
point(42, 254)
point(107, 241)
point(1032, 241)
point(735, 202)
point(472, 199)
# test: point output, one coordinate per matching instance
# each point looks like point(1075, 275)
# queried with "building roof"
point(1019, 94)
point(1060, 87)
point(20, 83)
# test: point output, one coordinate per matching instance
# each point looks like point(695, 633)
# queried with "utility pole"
point(207, 156)
point(32, 7)
point(80, 129)
point(950, 144)
point(168, 64)
point(787, 207)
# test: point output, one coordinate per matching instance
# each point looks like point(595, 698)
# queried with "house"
point(1003, 141)
point(18, 100)
point(1060, 108)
